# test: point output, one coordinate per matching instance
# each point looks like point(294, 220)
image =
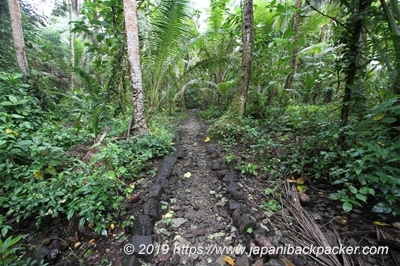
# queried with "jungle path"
point(197, 210)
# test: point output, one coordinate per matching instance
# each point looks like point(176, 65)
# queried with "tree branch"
point(326, 15)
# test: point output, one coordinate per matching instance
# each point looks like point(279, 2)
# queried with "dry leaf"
point(229, 260)
point(90, 225)
point(341, 220)
point(300, 180)
point(112, 226)
point(77, 244)
point(380, 223)
point(304, 198)
point(207, 139)
point(187, 175)
point(92, 240)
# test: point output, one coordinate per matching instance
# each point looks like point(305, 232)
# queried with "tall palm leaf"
point(168, 30)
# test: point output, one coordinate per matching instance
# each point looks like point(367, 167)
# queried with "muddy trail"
point(198, 210)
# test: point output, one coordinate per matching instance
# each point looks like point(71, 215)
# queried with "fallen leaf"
point(92, 240)
point(299, 188)
point(229, 260)
point(207, 139)
point(380, 223)
point(77, 244)
point(300, 180)
point(112, 226)
point(341, 220)
point(187, 175)
point(304, 198)
point(90, 225)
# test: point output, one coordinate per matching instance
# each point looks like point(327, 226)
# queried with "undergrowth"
point(301, 141)
point(59, 168)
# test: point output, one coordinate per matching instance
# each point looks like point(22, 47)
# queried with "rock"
point(152, 208)
point(230, 177)
point(242, 261)
point(53, 255)
point(38, 253)
point(259, 262)
point(162, 181)
point(132, 261)
point(140, 244)
point(143, 225)
point(242, 222)
point(219, 166)
point(177, 222)
point(165, 170)
point(156, 191)
point(232, 187)
point(233, 205)
point(275, 262)
point(237, 195)
point(180, 153)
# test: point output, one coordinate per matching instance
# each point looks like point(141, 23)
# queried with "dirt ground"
point(203, 212)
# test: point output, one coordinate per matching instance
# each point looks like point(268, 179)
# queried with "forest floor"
point(197, 210)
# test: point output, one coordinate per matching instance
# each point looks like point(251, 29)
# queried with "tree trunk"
point(18, 36)
point(138, 121)
point(393, 14)
point(293, 61)
point(352, 57)
point(72, 12)
point(239, 103)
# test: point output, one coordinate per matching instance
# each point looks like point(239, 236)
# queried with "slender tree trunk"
point(18, 36)
point(239, 103)
point(293, 61)
point(72, 11)
point(138, 121)
point(392, 15)
point(352, 57)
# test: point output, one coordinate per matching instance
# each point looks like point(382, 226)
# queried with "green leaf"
point(361, 197)
point(269, 191)
point(381, 207)
point(353, 189)
point(347, 206)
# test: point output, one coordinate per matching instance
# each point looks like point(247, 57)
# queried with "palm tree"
point(238, 105)
point(18, 36)
point(138, 121)
point(165, 43)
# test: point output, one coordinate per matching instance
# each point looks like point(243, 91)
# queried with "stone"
point(233, 205)
point(178, 222)
point(140, 244)
point(156, 191)
point(259, 262)
point(152, 208)
point(230, 177)
point(165, 170)
point(38, 253)
point(275, 262)
point(219, 166)
point(242, 222)
point(162, 181)
point(132, 261)
point(180, 153)
point(232, 187)
point(242, 261)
